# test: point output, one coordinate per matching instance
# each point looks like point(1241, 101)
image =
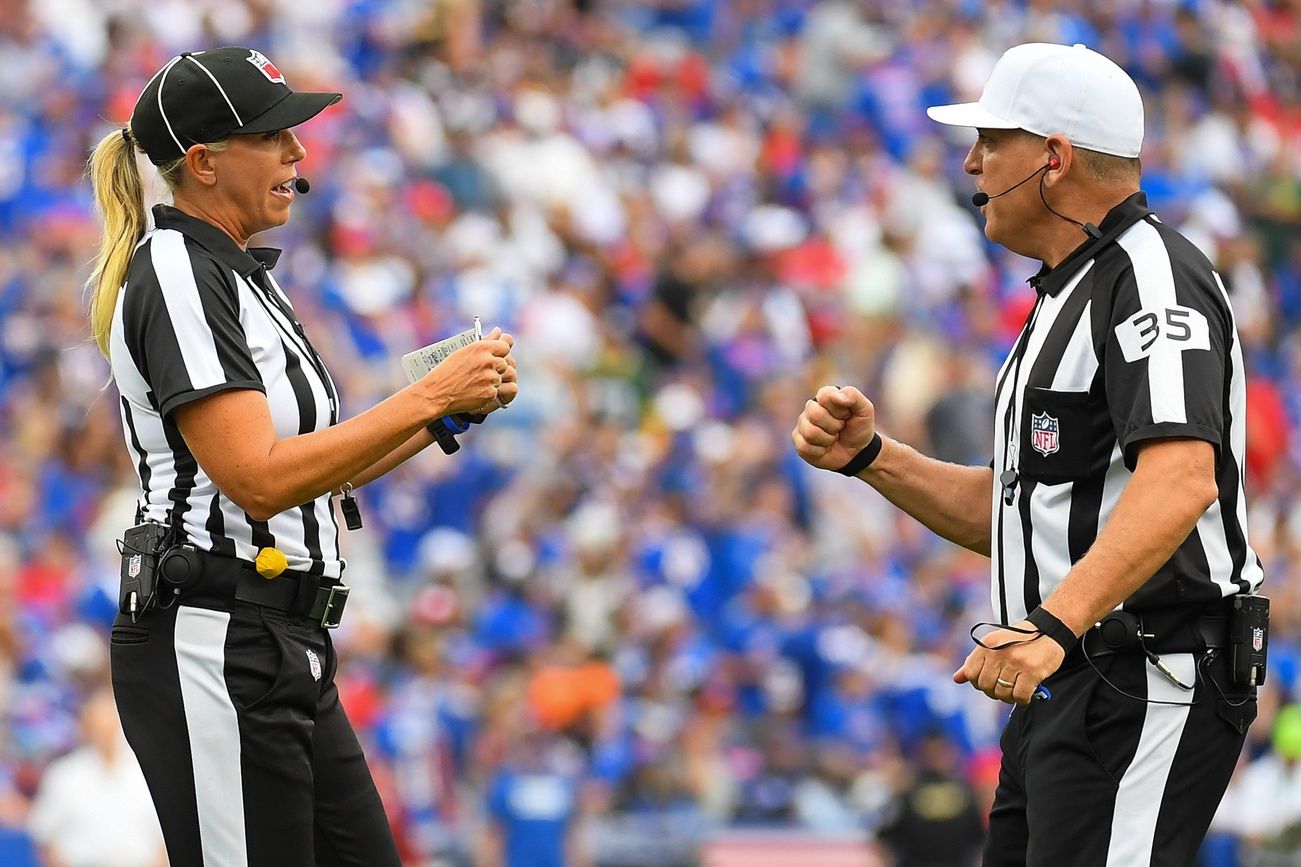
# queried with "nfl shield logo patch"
point(1257, 638)
point(314, 662)
point(1043, 433)
point(133, 566)
point(265, 66)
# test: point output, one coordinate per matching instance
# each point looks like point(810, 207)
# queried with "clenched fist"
point(835, 425)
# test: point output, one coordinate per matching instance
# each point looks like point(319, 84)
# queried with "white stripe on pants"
point(1139, 797)
point(214, 735)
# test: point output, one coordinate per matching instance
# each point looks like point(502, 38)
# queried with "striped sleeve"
point(1167, 344)
point(181, 324)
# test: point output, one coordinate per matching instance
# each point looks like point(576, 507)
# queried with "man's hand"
point(1024, 665)
point(835, 425)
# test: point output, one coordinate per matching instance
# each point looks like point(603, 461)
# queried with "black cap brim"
point(289, 112)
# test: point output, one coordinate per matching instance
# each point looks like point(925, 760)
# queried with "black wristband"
point(443, 436)
point(864, 458)
point(1047, 623)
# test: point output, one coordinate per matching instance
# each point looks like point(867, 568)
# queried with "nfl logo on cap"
point(1043, 433)
point(265, 66)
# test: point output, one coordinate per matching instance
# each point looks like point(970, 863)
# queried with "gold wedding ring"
point(1002, 682)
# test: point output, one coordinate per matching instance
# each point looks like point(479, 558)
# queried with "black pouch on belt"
point(1249, 639)
point(140, 548)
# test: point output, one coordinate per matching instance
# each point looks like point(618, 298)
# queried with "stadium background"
point(626, 619)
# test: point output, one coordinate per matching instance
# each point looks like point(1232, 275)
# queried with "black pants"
point(232, 711)
point(1091, 778)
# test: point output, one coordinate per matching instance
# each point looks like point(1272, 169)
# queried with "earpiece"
point(982, 199)
point(1054, 162)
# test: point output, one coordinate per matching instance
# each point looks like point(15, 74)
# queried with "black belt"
point(298, 594)
point(1184, 631)
point(1172, 630)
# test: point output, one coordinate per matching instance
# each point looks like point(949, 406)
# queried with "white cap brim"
point(971, 114)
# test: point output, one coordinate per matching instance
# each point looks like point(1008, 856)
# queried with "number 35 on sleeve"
point(1178, 329)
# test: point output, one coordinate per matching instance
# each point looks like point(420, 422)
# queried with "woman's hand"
point(509, 388)
point(472, 377)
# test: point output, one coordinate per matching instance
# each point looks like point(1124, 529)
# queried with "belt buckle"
point(335, 600)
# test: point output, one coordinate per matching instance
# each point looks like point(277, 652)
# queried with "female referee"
point(224, 671)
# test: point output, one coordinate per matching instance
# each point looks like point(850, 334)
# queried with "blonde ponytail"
point(120, 199)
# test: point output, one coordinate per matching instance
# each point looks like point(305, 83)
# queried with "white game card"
point(418, 363)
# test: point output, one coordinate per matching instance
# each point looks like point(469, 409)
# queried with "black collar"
point(1050, 281)
point(216, 242)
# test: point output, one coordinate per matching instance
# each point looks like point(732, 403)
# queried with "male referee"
point(1116, 490)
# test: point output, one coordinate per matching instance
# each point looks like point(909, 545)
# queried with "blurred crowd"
point(626, 616)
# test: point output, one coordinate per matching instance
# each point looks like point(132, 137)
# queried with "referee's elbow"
point(262, 499)
point(1196, 488)
point(256, 504)
point(1206, 493)
point(261, 515)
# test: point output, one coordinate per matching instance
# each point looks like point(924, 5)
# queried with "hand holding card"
point(474, 382)
point(418, 363)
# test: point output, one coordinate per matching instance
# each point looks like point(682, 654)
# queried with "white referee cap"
point(1052, 89)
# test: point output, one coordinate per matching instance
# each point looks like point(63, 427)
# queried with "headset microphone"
point(982, 199)
point(301, 186)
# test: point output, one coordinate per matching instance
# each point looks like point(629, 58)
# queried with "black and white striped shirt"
point(1131, 338)
point(197, 316)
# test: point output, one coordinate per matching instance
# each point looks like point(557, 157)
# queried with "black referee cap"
point(204, 96)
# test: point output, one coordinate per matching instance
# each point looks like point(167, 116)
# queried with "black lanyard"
point(262, 281)
point(1009, 477)
point(351, 512)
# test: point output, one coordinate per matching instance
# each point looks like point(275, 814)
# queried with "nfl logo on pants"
point(1043, 433)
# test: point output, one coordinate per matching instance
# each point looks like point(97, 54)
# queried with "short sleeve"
point(1167, 345)
point(181, 323)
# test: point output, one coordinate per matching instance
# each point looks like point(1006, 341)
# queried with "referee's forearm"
point(1172, 486)
point(953, 501)
point(232, 436)
point(415, 444)
point(300, 469)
